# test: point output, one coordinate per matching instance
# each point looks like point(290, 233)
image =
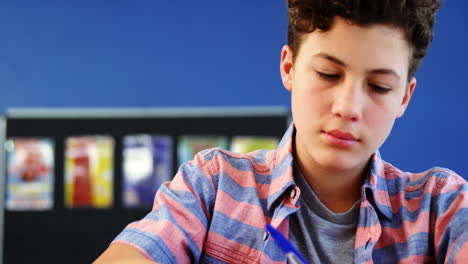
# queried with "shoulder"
point(219, 160)
point(436, 178)
point(442, 180)
point(237, 176)
point(438, 191)
point(216, 168)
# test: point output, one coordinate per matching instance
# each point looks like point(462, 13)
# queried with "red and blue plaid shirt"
point(216, 207)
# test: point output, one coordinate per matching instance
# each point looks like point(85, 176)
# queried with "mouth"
point(340, 138)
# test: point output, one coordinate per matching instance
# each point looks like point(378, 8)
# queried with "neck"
point(337, 190)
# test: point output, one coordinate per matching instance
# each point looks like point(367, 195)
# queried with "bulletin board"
point(64, 234)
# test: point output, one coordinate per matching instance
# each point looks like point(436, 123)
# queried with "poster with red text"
point(89, 171)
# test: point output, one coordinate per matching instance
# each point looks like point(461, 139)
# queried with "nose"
point(348, 101)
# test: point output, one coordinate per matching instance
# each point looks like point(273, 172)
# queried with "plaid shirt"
point(216, 207)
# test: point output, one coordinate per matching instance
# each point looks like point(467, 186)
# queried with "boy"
point(349, 66)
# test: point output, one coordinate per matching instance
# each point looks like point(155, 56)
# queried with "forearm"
point(124, 260)
point(122, 254)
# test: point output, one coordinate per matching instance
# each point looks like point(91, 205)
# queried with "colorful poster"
point(30, 173)
point(246, 144)
point(190, 145)
point(147, 163)
point(89, 171)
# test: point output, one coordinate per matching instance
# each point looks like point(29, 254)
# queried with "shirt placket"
point(369, 230)
point(280, 219)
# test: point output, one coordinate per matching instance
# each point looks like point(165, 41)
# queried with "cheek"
point(380, 122)
point(309, 105)
point(310, 94)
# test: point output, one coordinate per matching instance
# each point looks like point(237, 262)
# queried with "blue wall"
point(150, 53)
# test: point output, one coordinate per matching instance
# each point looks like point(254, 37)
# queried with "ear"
point(407, 98)
point(286, 66)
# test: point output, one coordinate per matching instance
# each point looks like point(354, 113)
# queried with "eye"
point(328, 77)
point(379, 89)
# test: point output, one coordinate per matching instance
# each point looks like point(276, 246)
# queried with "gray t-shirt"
point(319, 234)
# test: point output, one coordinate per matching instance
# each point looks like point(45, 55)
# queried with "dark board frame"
point(64, 235)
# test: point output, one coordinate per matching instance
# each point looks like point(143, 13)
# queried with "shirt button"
point(292, 194)
point(266, 235)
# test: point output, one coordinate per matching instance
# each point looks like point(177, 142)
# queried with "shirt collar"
point(282, 179)
point(375, 188)
point(282, 168)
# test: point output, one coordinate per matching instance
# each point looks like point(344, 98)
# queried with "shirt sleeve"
point(175, 229)
point(451, 219)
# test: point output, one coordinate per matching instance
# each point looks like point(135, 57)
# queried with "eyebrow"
point(340, 62)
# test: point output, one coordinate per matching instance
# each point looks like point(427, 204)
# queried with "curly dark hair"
point(415, 17)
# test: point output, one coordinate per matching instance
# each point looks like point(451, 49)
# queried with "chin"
point(338, 166)
point(338, 162)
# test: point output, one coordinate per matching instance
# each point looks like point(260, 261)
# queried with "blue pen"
point(293, 255)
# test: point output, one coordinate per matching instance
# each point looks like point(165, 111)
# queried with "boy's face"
point(348, 86)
